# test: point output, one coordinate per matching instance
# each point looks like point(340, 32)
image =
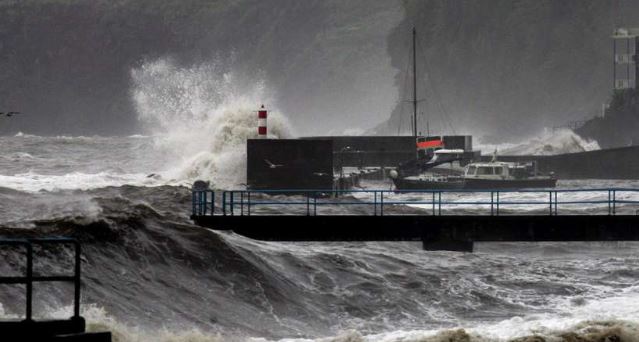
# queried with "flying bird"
point(271, 165)
point(9, 114)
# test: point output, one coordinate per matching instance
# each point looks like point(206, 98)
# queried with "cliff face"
point(66, 63)
point(620, 125)
point(506, 68)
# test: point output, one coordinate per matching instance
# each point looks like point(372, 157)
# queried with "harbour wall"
point(364, 151)
point(382, 151)
point(289, 164)
point(614, 163)
point(313, 163)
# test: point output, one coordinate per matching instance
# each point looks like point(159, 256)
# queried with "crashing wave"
point(549, 142)
point(587, 331)
point(201, 117)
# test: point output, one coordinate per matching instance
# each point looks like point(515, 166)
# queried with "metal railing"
point(203, 202)
point(29, 278)
point(436, 202)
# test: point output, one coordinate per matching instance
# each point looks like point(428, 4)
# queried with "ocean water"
point(151, 275)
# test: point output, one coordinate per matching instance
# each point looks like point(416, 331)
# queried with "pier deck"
point(442, 220)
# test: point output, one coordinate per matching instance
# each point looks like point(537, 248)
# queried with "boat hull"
point(420, 184)
point(483, 184)
point(473, 184)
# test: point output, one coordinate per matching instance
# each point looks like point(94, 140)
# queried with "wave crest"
point(549, 142)
point(201, 117)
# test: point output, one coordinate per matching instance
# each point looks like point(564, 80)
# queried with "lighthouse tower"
point(625, 71)
point(261, 123)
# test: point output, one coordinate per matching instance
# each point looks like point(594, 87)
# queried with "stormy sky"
point(498, 68)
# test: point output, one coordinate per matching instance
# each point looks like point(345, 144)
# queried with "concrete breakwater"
point(614, 163)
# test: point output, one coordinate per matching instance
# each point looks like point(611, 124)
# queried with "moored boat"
point(503, 175)
point(480, 176)
point(429, 182)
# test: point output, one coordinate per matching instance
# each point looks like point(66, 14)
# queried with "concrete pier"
point(455, 233)
point(438, 221)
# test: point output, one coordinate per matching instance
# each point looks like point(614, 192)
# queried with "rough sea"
point(149, 274)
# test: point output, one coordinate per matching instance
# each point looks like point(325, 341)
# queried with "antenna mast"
point(414, 85)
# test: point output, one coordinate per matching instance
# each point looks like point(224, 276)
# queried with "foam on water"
point(155, 277)
point(612, 318)
point(73, 181)
point(607, 319)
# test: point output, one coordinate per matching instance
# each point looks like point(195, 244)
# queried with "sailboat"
point(417, 174)
point(430, 152)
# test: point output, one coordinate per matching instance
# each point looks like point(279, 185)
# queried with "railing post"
point(242, 203)
point(614, 202)
point(492, 205)
point(224, 203)
point(308, 204)
point(498, 192)
point(315, 204)
point(381, 203)
point(76, 280)
point(206, 201)
point(249, 203)
point(556, 203)
point(193, 199)
point(29, 284)
point(375, 203)
point(202, 203)
point(197, 204)
point(550, 202)
point(433, 193)
point(440, 204)
point(609, 202)
point(232, 204)
point(209, 203)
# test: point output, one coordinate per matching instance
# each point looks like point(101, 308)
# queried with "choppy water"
point(151, 275)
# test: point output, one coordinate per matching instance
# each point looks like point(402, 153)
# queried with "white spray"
point(202, 116)
point(548, 142)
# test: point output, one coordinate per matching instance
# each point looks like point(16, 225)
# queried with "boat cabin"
point(495, 170)
point(500, 170)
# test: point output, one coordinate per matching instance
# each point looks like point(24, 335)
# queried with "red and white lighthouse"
point(261, 123)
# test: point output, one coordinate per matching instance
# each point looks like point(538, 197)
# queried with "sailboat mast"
point(414, 84)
